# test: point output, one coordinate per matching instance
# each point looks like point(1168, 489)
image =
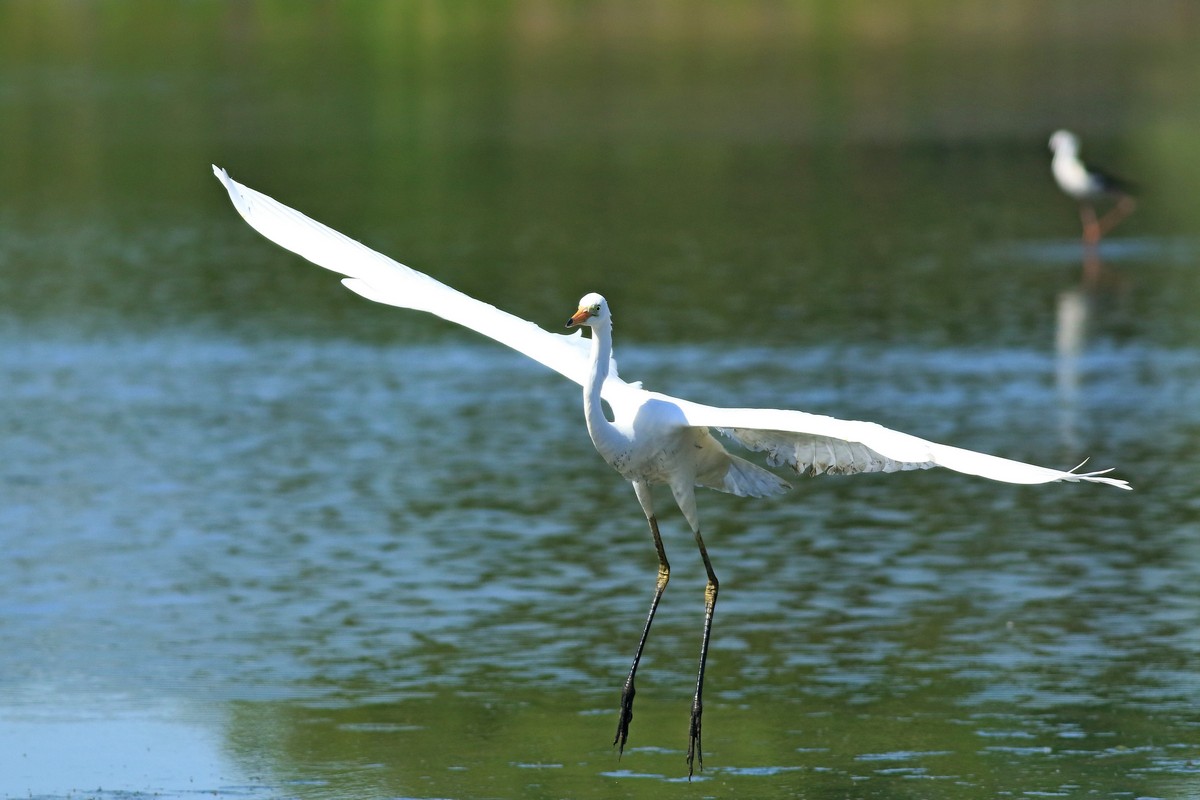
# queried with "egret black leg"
point(627, 693)
point(695, 755)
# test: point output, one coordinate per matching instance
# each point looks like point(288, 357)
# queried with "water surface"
point(265, 539)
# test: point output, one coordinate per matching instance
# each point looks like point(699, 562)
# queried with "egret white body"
point(652, 437)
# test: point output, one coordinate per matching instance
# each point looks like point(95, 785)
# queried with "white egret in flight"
point(651, 437)
point(1087, 186)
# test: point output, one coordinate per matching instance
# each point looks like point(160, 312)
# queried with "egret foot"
point(694, 754)
point(626, 716)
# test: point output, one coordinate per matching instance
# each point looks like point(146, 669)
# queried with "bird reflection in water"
point(1088, 186)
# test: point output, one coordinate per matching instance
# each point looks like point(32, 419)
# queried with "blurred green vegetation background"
point(531, 149)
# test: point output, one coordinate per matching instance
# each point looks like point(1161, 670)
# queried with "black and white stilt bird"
point(1088, 186)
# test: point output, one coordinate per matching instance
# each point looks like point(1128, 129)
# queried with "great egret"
point(1087, 186)
point(652, 437)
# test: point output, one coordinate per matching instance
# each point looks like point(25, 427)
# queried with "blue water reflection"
point(349, 525)
point(60, 741)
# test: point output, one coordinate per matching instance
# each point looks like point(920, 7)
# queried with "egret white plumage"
point(1088, 186)
point(651, 438)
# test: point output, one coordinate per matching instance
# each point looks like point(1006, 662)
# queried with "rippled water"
point(264, 539)
point(358, 542)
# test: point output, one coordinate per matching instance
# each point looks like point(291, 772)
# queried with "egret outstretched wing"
point(652, 438)
point(812, 444)
point(384, 280)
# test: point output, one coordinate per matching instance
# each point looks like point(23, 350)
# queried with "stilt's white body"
point(1074, 177)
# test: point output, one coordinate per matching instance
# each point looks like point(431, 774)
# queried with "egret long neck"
point(604, 434)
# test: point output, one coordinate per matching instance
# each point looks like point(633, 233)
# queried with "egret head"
point(593, 308)
point(1065, 141)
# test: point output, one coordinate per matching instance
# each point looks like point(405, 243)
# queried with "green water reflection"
point(883, 749)
point(778, 156)
point(371, 556)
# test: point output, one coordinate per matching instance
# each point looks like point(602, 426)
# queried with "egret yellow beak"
point(578, 317)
